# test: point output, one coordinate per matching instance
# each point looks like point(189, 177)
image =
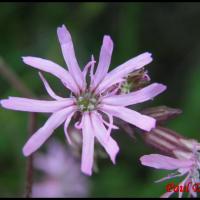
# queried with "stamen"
point(87, 102)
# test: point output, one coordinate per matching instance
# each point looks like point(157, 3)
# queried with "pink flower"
point(62, 177)
point(90, 100)
point(187, 164)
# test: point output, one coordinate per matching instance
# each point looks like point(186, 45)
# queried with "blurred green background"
point(171, 31)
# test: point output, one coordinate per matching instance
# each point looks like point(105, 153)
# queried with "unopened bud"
point(161, 113)
point(180, 154)
point(166, 141)
point(190, 143)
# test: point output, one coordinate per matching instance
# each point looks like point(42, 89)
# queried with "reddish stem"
point(29, 174)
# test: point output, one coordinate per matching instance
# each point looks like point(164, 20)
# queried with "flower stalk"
point(14, 80)
point(29, 173)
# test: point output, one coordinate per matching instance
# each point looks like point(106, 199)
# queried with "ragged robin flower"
point(185, 164)
point(96, 101)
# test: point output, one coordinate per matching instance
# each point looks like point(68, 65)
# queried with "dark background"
point(171, 31)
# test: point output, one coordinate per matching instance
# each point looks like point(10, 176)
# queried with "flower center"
point(126, 87)
point(87, 102)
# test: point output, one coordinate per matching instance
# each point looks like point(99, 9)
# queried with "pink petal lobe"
point(66, 127)
point(164, 162)
point(141, 121)
point(54, 69)
point(167, 194)
point(31, 105)
point(102, 136)
point(69, 55)
point(182, 184)
point(123, 70)
point(88, 145)
point(38, 138)
point(104, 60)
point(49, 89)
point(142, 95)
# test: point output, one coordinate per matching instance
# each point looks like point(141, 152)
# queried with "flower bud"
point(161, 113)
point(167, 141)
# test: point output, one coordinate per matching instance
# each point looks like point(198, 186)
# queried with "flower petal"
point(105, 140)
point(66, 126)
point(182, 184)
point(90, 65)
point(104, 60)
point(167, 194)
point(173, 175)
point(54, 69)
point(38, 138)
point(164, 162)
point(49, 89)
point(139, 96)
point(141, 121)
point(123, 70)
point(69, 55)
point(31, 105)
point(88, 145)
